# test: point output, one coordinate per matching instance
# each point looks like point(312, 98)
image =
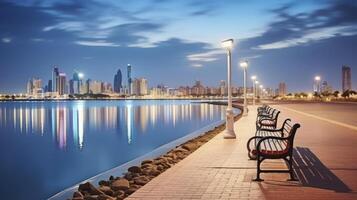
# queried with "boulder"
point(154, 172)
point(89, 188)
point(147, 162)
point(190, 146)
point(105, 197)
point(77, 194)
point(91, 197)
point(120, 184)
point(141, 180)
point(120, 194)
point(134, 169)
point(106, 190)
point(104, 183)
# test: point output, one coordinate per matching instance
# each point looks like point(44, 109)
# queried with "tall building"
point(34, 86)
point(61, 84)
point(75, 84)
point(325, 87)
point(55, 75)
point(223, 89)
point(130, 87)
point(282, 89)
point(140, 87)
point(93, 87)
point(346, 78)
point(118, 82)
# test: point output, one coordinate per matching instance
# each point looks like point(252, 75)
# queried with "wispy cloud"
point(208, 56)
point(97, 43)
point(6, 40)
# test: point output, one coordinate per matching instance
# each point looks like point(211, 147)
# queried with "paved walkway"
point(220, 169)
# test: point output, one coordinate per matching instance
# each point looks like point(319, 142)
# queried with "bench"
point(273, 144)
point(267, 120)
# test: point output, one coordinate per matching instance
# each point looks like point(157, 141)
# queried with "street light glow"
point(80, 75)
point(317, 78)
point(227, 44)
point(244, 64)
point(254, 77)
point(256, 82)
point(261, 86)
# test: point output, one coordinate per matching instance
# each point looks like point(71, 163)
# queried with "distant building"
point(346, 78)
point(106, 87)
point(55, 79)
point(93, 87)
point(118, 82)
point(61, 84)
point(34, 86)
point(325, 88)
point(129, 79)
point(198, 89)
point(282, 89)
point(140, 87)
point(223, 89)
point(75, 84)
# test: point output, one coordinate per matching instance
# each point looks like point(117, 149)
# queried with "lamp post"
point(260, 91)
point(317, 79)
point(244, 65)
point(253, 79)
point(229, 131)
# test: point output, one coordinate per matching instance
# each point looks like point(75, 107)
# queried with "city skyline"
point(284, 42)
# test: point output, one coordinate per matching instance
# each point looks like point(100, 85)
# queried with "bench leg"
point(291, 170)
point(259, 161)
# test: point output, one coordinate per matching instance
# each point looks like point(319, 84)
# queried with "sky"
point(177, 42)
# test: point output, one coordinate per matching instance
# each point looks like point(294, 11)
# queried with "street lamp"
point(260, 90)
point(254, 80)
point(244, 65)
point(317, 79)
point(229, 131)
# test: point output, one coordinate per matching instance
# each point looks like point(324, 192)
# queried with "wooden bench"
point(267, 120)
point(273, 144)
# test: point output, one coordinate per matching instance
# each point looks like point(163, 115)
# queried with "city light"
point(80, 75)
point(317, 78)
point(227, 44)
point(244, 64)
point(253, 78)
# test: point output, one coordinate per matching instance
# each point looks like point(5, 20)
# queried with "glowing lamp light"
point(244, 64)
point(256, 82)
point(227, 44)
point(317, 78)
point(254, 77)
point(80, 75)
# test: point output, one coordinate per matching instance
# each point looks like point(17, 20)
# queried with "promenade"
point(325, 160)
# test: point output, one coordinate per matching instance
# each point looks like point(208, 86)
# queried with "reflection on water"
point(64, 121)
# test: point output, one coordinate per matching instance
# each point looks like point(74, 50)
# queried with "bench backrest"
point(289, 131)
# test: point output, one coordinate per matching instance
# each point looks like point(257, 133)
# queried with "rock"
point(106, 190)
point(134, 169)
point(88, 187)
point(120, 184)
point(77, 198)
point(141, 180)
point(147, 165)
point(128, 176)
point(111, 178)
point(77, 194)
point(91, 197)
point(160, 168)
point(154, 172)
point(105, 197)
point(147, 162)
point(104, 183)
point(120, 194)
point(190, 146)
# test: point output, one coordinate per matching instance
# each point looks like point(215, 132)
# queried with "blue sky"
point(178, 42)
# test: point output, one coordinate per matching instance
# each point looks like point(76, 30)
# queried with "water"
point(49, 146)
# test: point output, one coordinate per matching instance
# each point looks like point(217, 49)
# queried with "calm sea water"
point(48, 146)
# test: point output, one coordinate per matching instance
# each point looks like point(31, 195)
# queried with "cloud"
point(289, 30)
point(6, 40)
point(208, 56)
point(197, 65)
point(97, 43)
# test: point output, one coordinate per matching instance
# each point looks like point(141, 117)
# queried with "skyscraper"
point(346, 78)
point(61, 84)
point(34, 86)
point(282, 89)
point(140, 86)
point(129, 79)
point(55, 75)
point(117, 81)
point(75, 84)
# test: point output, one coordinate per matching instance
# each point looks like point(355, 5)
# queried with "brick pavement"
point(220, 169)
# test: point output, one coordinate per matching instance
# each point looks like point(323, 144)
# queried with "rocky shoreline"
point(118, 188)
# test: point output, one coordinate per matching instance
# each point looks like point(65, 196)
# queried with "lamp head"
point(244, 64)
point(256, 82)
point(80, 75)
point(261, 86)
point(254, 77)
point(227, 44)
point(317, 78)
